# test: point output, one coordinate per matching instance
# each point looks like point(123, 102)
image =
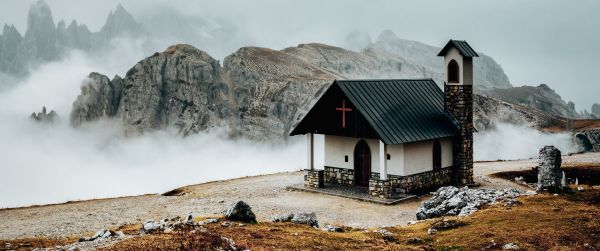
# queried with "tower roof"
point(462, 46)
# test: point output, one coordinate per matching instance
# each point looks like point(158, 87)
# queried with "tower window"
point(345, 158)
point(453, 72)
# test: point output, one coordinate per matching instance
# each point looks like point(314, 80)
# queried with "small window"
point(346, 158)
point(388, 156)
point(453, 72)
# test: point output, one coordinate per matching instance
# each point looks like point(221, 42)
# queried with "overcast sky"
point(543, 41)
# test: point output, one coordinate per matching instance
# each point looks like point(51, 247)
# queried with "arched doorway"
point(453, 72)
point(437, 155)
point(362, 164)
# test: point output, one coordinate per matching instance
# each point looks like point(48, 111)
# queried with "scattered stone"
point(152, 226)
point(283, 218)
point(307, 218)
point(101, 234)
point(212, 220)
point(226, 224)
point(240, 211)
point(431, 231)
point(580, 189)
point(510, 246)
point(550, 175)
point(451, 200)
point(330, 228)
point(190, 219)
point(520, 180)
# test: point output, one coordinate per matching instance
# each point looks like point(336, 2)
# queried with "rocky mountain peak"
point(39, 17)
point(387, 36)
point(119, 22)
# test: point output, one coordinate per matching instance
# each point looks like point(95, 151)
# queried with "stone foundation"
point(339, 176)
point(395, 184)
point(314, 178)
point(422, 182)
point(380, 188)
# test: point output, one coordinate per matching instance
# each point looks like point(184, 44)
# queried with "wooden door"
point(362, 164)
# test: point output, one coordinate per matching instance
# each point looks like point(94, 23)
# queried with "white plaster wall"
point(336, 147)
point(454, 54)
point(418, 157)
point(447, 159)
point(405, 159)
point(395, 164)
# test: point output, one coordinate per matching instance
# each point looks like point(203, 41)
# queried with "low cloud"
point(53, 163)
point(508, 142)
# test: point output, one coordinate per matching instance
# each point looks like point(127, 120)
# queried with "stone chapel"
point(395, 136)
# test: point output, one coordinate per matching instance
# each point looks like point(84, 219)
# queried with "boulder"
point(451, 200)
point(307, 218)
point(510, 246)
point(240, 211)
point(549, 172)
point(152, 226)
point(283, 217)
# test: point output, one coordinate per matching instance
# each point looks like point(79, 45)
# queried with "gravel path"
point(266, 194)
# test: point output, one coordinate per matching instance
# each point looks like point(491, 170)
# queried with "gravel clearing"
point(265, 194)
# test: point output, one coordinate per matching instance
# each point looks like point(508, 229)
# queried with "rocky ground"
point(266, 194)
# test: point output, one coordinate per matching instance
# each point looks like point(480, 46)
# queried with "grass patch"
point(539, 222)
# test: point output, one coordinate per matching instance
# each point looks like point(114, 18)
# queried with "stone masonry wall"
point(380, 188)
point(422, 181)
point(458, 101)
point(339, 176)
point(314, 178)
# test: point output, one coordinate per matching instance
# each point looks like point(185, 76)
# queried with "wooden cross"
point(343, 109)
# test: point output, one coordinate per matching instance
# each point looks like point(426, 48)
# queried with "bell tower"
point(458, 101)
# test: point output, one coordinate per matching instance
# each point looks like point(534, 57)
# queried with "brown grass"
point(36, 242)
point(540, 222)
point(578, 125)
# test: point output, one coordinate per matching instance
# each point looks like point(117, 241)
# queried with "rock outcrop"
point(258, 93)
point(99, 98)
point(541, 97)
point(596, 110)
point(462, 201)
point(44, 116)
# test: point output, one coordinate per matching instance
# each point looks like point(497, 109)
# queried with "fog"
point(508, 142)
point(540, 41)
point(53, 163)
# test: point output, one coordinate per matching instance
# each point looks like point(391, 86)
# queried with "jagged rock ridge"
point(259, 93)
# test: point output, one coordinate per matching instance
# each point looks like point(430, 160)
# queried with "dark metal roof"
point(462, 46)
point(401, 110)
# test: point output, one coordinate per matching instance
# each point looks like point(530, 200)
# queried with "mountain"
point(258, 93)
point(541, 97)
point(487, 73)
point(44, 41)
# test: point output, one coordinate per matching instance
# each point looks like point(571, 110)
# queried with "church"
point(395, 136)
